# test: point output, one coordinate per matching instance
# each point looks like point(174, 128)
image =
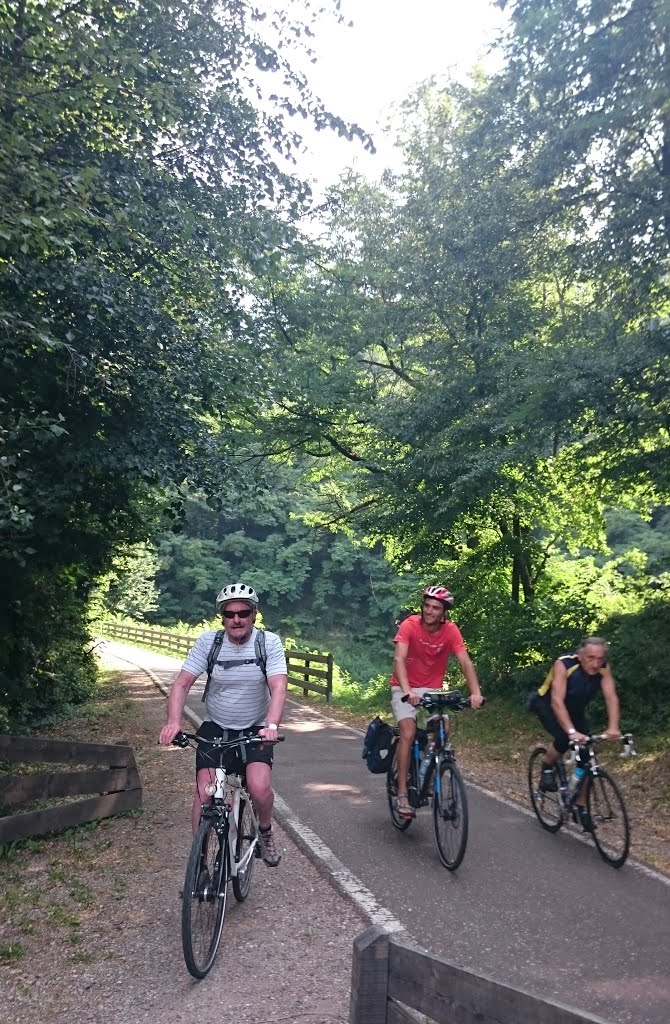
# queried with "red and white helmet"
point(440, 594)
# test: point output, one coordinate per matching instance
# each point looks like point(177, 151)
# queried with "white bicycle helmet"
point(237, 592)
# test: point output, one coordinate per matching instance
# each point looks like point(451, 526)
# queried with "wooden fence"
point(301, 672)
point(395, 983)
point(163, 639)
point(116, 785)
point(312, 673)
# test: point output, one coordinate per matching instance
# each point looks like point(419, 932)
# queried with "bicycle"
point(450, 805)
point(604, 802)
point(228, 818)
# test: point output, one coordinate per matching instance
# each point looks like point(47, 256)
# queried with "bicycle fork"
point(234, 801)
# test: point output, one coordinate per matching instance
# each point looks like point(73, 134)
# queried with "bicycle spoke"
point(450, 815)
point(610, 821)
point(547, 806)
point(204, 898)
point(246, 833)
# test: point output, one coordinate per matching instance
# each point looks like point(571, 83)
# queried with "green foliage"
point(141, 193)
point(640, 648)
point(315, 585)
point(627, 530)
point(47, 661)
point(128, 589)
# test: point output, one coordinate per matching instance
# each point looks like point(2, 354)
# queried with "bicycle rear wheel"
point(611, 831)
point(246, 834)
point(204, 898)
point(547, 806)
point(450, 815)
point(398, 820)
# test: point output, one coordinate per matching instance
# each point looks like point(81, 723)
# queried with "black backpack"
point(378, 746)
point(261, 658)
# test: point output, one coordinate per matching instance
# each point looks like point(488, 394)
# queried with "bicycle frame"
point(441, 750)
point(569, 797)
point(225, 806)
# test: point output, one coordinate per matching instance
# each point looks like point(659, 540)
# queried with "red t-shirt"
point(427, 653)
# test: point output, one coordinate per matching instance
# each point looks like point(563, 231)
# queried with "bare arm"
point(559, 686)
point(468, 669)
point(608, 687)
point(175, 706)
point(400, 672)
point(277, 685)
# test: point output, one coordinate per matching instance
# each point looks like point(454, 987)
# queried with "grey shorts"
point(405, 709)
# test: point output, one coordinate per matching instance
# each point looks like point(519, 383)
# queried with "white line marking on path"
point(344, 880)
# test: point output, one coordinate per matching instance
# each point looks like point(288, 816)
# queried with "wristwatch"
point(572, 731)
point(272, 725)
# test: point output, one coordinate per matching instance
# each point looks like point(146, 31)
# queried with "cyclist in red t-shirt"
point(423, 645)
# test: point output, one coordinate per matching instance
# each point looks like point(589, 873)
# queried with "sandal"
point(403, 807)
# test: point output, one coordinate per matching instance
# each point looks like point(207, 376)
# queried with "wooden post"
point(305, 676)
point(369, 977)
point(329, 681)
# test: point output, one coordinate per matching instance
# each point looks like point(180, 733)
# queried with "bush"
point(640, 655)
point(45, 660)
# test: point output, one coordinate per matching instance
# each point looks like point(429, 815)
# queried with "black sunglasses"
point(244, 614)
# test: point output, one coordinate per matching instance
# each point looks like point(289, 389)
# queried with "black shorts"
point(235, 759)
point(541, 707)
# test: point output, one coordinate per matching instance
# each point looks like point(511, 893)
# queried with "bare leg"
point(204, 776)
point(551, 755)
point(259, 784)
point(407, 730)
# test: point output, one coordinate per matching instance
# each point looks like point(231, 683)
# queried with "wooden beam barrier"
point(117, 786)
point(393, 980)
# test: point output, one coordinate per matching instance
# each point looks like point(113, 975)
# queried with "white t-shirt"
point(239, 696)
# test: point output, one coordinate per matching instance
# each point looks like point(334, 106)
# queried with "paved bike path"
point(526, 907)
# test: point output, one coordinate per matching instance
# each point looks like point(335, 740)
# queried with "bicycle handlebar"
point(438, 700)
point(183, 739)
point(626, 739)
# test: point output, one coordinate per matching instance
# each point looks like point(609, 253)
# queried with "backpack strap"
point(261, 655)
point(211, 659)
point(261, 658)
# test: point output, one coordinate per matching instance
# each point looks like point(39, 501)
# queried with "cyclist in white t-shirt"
point(244, 696)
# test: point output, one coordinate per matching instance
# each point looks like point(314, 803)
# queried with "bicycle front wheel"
point(547, 806)
point(398, 820)
point(204, 898)
point(611, 831)
point(450, 815)
point(246, 834)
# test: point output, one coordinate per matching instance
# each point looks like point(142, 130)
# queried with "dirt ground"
point(90, 921)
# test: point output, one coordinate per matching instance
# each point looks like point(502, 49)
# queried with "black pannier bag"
point(378, 746)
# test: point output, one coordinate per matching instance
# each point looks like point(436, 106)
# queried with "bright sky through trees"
point(392, 46)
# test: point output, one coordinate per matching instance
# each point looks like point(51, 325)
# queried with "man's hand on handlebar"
point(412, 698)
point(269, 732)
point(167, 734)
point(476, 700)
